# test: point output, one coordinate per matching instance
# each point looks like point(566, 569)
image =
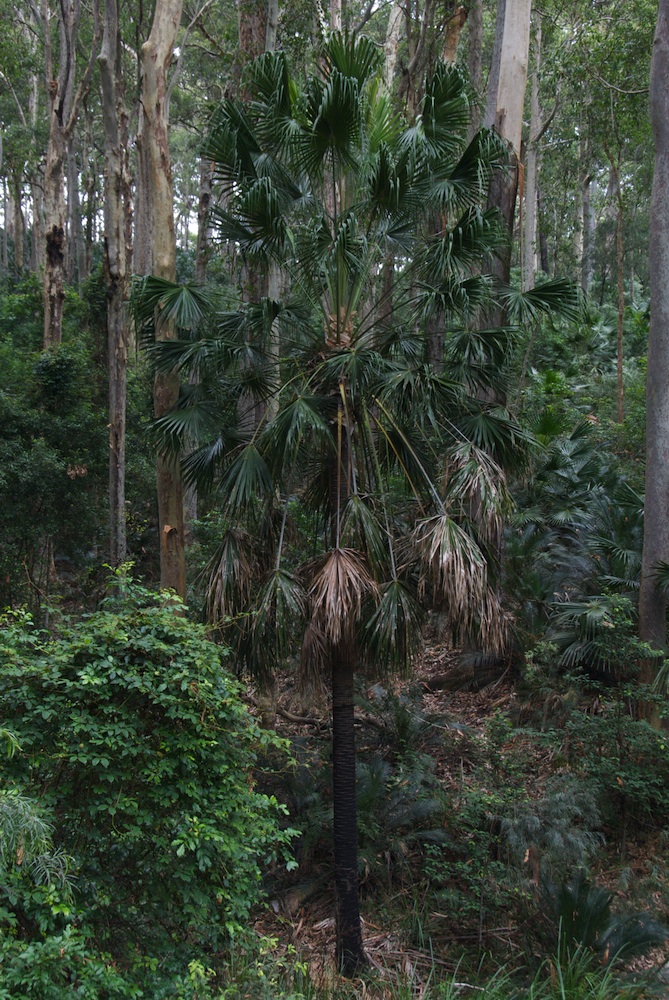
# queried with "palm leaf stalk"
point(359, 435)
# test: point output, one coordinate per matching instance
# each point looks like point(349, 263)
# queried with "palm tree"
point(326, 405)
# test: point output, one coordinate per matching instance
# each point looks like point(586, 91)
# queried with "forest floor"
point(408, 936)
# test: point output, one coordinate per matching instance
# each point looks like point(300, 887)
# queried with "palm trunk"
point(350, 952)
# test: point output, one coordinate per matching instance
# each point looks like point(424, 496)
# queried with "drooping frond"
point(246, 478)
point(231, 575)
point(452, 566)
point(338, 590)
point(393, 633)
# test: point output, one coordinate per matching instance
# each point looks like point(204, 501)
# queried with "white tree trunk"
point(116, 277)
point(532, 168)
point(652, 602)
point(156, 57)
point(392, 43)
point(510, 100)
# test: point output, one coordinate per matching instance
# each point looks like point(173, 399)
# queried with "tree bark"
point(652, 602)
point(392, 43)
point(156, 170)
point(350, 952)
point(507, 100)
point(532, 167)
point(63, 102)
point(475, 59)
point(116, 278)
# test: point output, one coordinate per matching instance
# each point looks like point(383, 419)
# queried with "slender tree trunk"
point(617, 210)
point(454, 27)
point(350, 952)
point(532, 167)
point(392, 43)
point(156, 169)
point(588, 212)
point(543, 239)
point(63, 103)
point(116, 278)
point(475, 59)
point(272, 25)
point(620, 403)
point(652, 601)
point(5, 228)
point(18, 229)
point(335, 15)
point(507, 118)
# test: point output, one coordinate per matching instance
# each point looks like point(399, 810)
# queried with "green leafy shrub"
point(136, 740)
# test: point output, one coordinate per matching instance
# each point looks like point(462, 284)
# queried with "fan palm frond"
point(393, 633)
point(558, 296)
point(338, 590)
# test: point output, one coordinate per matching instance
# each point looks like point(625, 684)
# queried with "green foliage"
point(141, 750)
point(584, 919)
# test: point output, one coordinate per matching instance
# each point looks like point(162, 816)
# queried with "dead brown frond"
point(494, 623)
point(478, 484)
point(338, 590)
point(313, 672)
point(231, 575)
point(453, 565)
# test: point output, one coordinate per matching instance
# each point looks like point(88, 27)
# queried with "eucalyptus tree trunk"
point(392, 43)
point(617, 212)
point(350, 952)
point(504, 108)
point(18, 227)
point(452, 34)
point(64, 99)
point(116, 277)
point(532, 168)
point(156, 173)
point(588, 213)
point(652, 601)
point(335, 15)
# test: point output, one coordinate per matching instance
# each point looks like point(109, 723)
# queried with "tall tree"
point(159, 258)
point(116, 273)
point(505, 103)
point(64, 100)
point(328, 184)
point(652, 598)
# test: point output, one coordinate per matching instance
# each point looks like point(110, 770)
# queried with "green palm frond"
point(231, 146)
point(351, 55)
point(465, 184)
point(363, 528)
point(157, 301)
point(247, 478)
point(231, 574)
point(299, 423)
point(278, 609)
point(393, 633)
point(558, 296)
point(334, 114)
point(445, 112)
